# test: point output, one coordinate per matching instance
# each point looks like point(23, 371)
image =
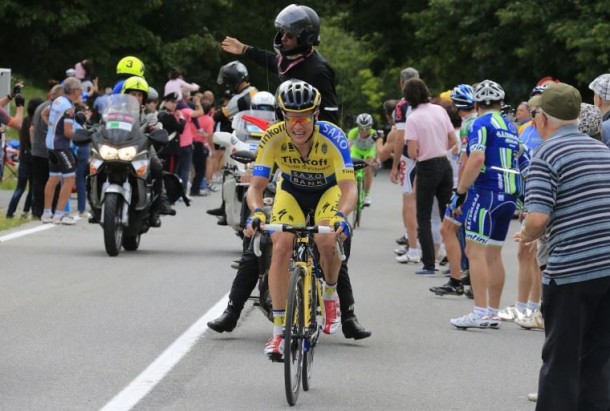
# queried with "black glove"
point(80, 118)
point(19, 100)
point(16, 90)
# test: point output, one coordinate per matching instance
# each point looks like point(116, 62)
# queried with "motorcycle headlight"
point(127, 153)
point(108, 152)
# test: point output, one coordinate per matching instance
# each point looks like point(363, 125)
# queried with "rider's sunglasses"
point(364, 128)
point(293, 121)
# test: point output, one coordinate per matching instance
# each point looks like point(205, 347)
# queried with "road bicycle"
point(359, 166)
point(303, 310)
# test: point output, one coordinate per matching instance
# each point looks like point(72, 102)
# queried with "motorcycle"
point(248, 128)
point(120, 185)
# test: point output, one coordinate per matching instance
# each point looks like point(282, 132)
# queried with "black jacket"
point(313, 69)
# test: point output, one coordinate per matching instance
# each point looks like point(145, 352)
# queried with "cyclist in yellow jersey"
point(317, 175)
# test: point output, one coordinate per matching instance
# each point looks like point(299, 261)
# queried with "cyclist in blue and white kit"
point(62, 163)
point(488, 189)
point(462, 97)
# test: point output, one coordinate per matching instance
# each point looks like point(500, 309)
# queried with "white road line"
point(159, 368)
point(21, 233)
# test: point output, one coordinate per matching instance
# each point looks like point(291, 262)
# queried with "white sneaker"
point(493, 322)
point(401, 250)
point(510, 313)
point(66, 220)
point(46, 218)
point(57, 219)
point(367, 201)
point(532, 321)
point(413, 255)
point(469, 321)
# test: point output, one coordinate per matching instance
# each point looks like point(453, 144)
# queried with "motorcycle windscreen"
point(121, 118)
point(245, 129)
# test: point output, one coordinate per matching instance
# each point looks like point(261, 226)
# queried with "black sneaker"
point(216, 211)
point(448, 289)
point(468, 292)
point(402, 240)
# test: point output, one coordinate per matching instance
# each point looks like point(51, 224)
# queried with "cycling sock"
point(330, 291)
point(521, 307)
point(532, 305)
point(278, 322)
point(479, 312)
point(492, 312)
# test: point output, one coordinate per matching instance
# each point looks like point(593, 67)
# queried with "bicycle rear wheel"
point(293, 336)
point(312, 333)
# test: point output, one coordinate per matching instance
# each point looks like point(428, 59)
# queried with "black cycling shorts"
point(62, 162)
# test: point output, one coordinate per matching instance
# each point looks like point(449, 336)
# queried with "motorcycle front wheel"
point(113, 224)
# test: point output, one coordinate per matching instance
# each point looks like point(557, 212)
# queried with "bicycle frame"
point(304, 257)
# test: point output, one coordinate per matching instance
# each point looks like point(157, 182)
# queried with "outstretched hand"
point(232, 46)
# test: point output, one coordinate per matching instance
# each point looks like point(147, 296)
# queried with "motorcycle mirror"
point(359, 164)
point(159, 136)
point(81, 137)
point(243, 156)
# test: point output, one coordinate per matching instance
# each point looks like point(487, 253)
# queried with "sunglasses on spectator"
point(534, 112)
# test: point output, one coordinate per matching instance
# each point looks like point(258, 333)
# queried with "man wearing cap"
point(601, 99)
point(568, 198)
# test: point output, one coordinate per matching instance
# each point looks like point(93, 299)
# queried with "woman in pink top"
point(429, 134)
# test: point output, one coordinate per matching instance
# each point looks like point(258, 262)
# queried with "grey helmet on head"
point(153, 94)
point(263, 100)
point(488, 92)
point(232, 74)
point(303, 23)
point(364, 121)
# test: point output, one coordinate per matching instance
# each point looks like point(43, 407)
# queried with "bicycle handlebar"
point(287, 228)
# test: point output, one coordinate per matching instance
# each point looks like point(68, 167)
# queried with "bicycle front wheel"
point(293, 336)
point(359, 202)
point(312, 332)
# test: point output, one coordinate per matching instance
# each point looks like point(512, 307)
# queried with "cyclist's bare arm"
point(349, 194)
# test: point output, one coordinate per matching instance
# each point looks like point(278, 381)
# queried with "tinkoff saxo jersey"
point(328, 161)
point(496, 136)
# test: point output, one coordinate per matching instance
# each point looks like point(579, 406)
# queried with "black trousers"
point(200, 155)
point(40, 175)
point(434, 179)
point(247, 277)
point(575, 374)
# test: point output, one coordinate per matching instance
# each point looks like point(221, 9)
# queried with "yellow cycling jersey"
point(328, 162)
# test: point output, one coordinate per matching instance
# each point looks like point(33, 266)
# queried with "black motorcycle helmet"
point(232, 74)
point(301, 21)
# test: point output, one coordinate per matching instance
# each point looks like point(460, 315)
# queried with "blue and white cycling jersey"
point(496, 136)
point(56, 138)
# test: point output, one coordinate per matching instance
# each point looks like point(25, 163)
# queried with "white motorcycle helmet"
point(264, 101)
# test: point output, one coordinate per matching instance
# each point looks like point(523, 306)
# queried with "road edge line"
point(137, 389)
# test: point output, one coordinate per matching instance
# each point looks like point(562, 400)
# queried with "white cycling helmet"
point(263, 100)
point(364, 120)
point(488, 92)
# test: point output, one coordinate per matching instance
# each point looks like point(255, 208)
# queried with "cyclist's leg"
point(329, 260)
point(409, 215)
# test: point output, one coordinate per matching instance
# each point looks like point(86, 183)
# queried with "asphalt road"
point(84, 331)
